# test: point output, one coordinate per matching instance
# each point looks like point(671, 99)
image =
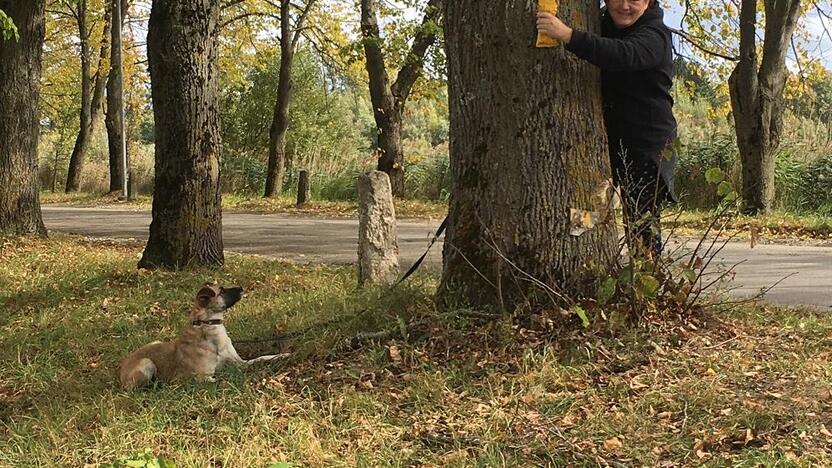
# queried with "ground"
point(802, 274)
point(777, 227)
point(742, 387)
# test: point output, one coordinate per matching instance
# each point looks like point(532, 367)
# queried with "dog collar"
point(198, 322)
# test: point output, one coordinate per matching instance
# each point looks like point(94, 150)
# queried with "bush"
point(815, 185)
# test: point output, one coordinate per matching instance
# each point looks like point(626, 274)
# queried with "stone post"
point(378, 243)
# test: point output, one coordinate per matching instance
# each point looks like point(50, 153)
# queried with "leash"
point(418, 262)
point(277, 338)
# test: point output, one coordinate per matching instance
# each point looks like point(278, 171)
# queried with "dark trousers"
point(643, 193)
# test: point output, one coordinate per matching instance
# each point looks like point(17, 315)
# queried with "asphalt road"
point(308, 239)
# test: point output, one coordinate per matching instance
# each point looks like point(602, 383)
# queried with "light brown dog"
point(200, 350)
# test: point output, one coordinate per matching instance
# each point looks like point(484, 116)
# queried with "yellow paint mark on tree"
point(548, 6)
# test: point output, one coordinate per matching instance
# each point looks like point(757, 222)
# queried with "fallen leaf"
point(825, 431)
point(613, 444)
point(395, 354)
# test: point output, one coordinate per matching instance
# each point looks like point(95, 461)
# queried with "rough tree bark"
point(20, 66)
point(527, 145)
point(389, 100)
point(757, 97)
point(182, 43)
point(289, 36)
point(92, 93)
point(115, 100)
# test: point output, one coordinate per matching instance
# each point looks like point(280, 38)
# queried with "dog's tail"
point(138, 374)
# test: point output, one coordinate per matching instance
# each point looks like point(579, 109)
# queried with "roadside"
point(775, 228)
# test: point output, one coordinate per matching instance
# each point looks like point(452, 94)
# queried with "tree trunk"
point(757, 98)
point(280, 118)
point(114, 118)
point(182, 43)
point(20, 67)
point(92, 95)
point(527, 145)
point(389, 100)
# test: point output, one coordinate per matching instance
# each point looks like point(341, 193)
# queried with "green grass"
point(455, 392)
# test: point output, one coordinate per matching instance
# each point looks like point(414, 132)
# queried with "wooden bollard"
point(303, 188)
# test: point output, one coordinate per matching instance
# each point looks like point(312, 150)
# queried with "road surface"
point(312, 239)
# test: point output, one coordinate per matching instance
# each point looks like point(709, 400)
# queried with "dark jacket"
point(636, 76)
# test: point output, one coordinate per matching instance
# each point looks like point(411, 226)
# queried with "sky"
point(821, 48)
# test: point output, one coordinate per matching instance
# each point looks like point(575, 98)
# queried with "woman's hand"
point(551, 26)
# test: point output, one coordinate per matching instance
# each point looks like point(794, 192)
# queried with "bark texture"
point(20, 67)
point(114, 118)
point(182, 42)
point(527, 145)
point(757, 97)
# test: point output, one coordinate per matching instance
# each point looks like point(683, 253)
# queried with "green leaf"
point(625, 277)
point(647, 285)
point(281, 465)
point(714, 175)
point(689, 275)
point(8, 30)
point(724, 188)
point(606, 290)
point(581, 313)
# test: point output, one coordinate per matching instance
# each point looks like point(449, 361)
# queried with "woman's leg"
point(643, 193)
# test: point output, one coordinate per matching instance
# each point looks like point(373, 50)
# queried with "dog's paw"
point(267, 358)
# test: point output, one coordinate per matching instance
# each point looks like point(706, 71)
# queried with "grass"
point(749, 388)
point(777, 226)
point(415, 209)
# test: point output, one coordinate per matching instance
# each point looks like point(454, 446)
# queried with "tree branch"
point(687, 37)
point(412, 67)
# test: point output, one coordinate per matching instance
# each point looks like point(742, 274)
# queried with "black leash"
point(288, 335)
point(421, 259)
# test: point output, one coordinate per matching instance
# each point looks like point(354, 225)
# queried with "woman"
point(635, 56)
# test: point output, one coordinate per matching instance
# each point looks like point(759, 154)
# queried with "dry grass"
point(405, 209)
point(750, 388)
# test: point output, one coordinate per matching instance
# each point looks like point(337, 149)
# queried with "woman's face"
point(626, 12)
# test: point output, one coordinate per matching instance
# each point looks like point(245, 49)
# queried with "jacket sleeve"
point(641, 50)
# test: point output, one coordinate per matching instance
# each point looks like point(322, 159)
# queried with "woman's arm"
point(641, 50)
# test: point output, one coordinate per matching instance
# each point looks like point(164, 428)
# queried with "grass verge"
point(415, 209)
point(747, 389)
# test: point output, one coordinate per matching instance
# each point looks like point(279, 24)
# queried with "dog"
point(201, 349)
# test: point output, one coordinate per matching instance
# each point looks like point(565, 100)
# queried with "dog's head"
point(213, 300)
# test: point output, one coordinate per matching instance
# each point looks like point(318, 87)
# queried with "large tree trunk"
point(280, 118)
point(92, 95)
point(757, 97)
point(114, 118)
point(389, 100)
point(20, 66)
point(527, 145)
point(182, 44)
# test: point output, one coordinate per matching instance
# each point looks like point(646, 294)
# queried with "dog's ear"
point(205, 294)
